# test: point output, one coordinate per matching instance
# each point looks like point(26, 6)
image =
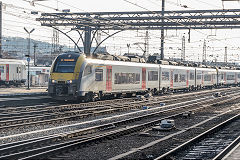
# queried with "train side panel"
point(123, 77)
point(153, 78)
point(12, 71)
point(175, 77)
point(208, 77)
point(126, 79)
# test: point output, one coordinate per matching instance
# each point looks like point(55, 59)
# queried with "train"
point(73, 76)
point(12, 72)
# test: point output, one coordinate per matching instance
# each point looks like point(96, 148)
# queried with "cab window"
point(64, 66)
point(88, 70)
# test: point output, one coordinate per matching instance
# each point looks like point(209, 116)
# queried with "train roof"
point(120, 63)
point(12, 61)
point(123, 63)
point(177, 67)
point(228, 70)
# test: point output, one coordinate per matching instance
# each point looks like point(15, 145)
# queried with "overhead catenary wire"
point(163, 16)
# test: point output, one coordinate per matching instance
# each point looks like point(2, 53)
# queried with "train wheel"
point(129, 95)
point(89, 97)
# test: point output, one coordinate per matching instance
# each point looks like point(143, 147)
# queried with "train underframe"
point(12, 83)
point(69, 92)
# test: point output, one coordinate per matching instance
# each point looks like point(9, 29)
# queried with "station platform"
point(8, 92)
point(234, 154)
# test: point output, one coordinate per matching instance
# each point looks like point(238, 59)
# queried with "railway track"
point(33, 116)
point(208, 144)
point(19, 101)
point(225, 153)
point(90, 104)
point(86, 135)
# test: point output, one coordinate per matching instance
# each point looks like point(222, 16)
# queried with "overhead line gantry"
point(90, 23)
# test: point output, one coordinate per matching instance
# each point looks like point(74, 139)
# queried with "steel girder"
point(90, 23)
point(187, 19)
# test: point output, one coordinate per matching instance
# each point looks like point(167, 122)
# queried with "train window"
point(230, 77)
point(207, 77)
point(199, 76)
point(127, 78)
point(152, 75)
point(87, 70)
point(2, 69)
point(18, 69)
point(182, 78)
point(165, 76)
point(214, 76)
point(238, 75)
point(99, 75)
point(191, 76)
point(175, 77)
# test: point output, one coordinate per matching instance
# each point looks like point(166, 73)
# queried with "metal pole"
point(225, 55)
point(34, 47)
point(28, 61)
point(204, 59)
point(162, 31)
point(146, 45)
point(183, 49)
point(87, 43)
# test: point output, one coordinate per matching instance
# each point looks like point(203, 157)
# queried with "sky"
point(16, 15)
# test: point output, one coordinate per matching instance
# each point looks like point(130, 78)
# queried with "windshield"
point(65, 63)
point(64, 67)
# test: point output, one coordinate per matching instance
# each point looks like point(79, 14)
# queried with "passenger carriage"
point(206, 77)
point(230, 76)
point(177, 77)
point(12, 72)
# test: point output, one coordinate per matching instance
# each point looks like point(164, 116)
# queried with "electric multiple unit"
point(12, 72)
point(73, 76)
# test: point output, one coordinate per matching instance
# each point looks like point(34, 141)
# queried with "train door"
point(187, 78)
point(235, 78)
point(143, 78)
point(195, 78)
point(171, 79)
point(212, 78)
point(109, 78)
point(7, 72)
point(225, 78)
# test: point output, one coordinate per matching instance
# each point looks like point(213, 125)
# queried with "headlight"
point(69, 81)
point(54, 81)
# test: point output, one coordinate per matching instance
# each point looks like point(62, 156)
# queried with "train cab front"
point(64, 76)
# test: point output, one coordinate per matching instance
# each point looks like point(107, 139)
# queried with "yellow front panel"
point(69, 76)
point(62, 76)
point(79, 63)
